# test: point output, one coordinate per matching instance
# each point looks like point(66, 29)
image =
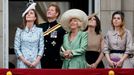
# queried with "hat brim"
point(32, 6)
point(73, 13)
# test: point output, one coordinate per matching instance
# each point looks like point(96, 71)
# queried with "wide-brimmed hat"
point(31, 6)
point(73, 13)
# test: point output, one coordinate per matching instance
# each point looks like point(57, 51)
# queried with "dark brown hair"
point(98, 25)
point(24, 20)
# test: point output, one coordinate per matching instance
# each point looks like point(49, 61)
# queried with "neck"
point(73, 34)
point(91, 29)
point(117, 28)
point(29, 24)
point(74, 31)
point(51, 20)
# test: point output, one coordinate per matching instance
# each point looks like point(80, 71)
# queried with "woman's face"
point(92, 22)
point(74, 23)
point(30, 16)
point(117, 21)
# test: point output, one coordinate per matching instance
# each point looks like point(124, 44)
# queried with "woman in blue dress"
point(29, 41)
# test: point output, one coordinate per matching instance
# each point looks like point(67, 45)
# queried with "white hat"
point(32, 6)
point(73, 13)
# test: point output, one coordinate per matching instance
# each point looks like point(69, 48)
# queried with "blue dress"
point(29, 44)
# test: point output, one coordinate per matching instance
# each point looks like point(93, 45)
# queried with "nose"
point(28, 14)
point(116, 19)
point(48, 11)
point(91, 19)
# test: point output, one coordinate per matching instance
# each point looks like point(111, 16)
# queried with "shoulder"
point(19, 29)
point(83, 34)
point(42, 25)
point(128, 32)
point(39, 29)
point(67, 34)
point(61, 29)
point(101, 36)
point(110, 32)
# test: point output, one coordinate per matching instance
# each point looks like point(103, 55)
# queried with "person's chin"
point(49, 16)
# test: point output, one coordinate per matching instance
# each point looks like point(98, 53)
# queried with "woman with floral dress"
point(29, 40)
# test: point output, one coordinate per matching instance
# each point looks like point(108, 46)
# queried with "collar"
point(30, 30)
point(116, 32)
point(53, 23)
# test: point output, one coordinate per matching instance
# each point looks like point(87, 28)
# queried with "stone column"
point(1, 34)
point(106, 10)
point(128, 9)
point(5, 34)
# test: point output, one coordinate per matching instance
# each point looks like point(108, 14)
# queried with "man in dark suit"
point(53, 41)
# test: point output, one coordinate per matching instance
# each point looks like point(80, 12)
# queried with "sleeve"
point(41, 44)
point(62, 49)
point(83, 45)
point(17, 42)
point(106, 45)
point(129, 42)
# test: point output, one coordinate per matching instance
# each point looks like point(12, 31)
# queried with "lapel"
point(70, 44)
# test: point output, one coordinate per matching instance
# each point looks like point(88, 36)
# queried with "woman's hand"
point(67, 54)
point(28, 63)
point(21, 58)
point(94, 65)
point(119, 64)
point(34, 64)
point(112, 63)
point(88, 65)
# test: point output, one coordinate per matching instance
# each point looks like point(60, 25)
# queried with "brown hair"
point(24, 20)
point(122, 27)
point(98, 24)
point(57, 8)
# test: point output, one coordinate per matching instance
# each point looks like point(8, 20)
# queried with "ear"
point(35, 18)
point(57, 14)
point(80, 23)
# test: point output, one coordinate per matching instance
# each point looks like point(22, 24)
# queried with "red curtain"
point(66, 71)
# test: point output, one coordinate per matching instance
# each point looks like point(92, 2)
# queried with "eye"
point(31, 12)
point(118, 18)
point(114, 17)
point(89, 19)
point(93, 18)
